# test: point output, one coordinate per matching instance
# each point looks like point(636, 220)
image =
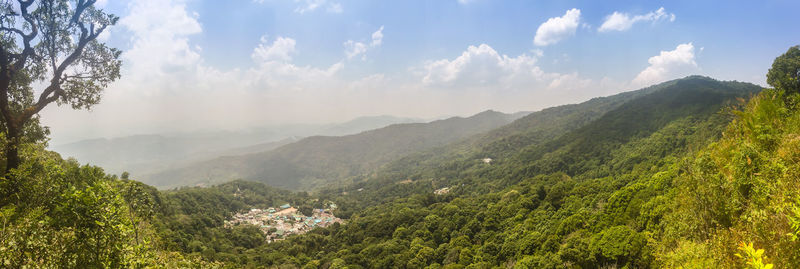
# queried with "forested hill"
point(572, 139)
point(597, 195)
point(600, 190)
point(316, 161)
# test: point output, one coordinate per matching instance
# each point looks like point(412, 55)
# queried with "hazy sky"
point(209, 64)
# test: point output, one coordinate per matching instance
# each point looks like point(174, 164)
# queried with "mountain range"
point(146, 154)
point(615, 181)
point(317, 161)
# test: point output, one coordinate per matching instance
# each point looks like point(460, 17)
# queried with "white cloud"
point(567, 82)
point(311, 5)
point(377, 37)
point(281, 50)
point(484, 69)
point(354, 48)
point(479, 66)
point(160, 40)
point(335, 8)
point(166, 85)
point(622, 21)
point(482, 77)
point(668, 65)
point(558, 28)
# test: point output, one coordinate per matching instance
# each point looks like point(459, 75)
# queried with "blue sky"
point(207, 64)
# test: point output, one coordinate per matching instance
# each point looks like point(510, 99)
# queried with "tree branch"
point(81, 6)
point(13, 30)
point(54, 91)
point(27, 51)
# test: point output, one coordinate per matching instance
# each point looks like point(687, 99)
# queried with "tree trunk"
point(11, 190)
point(12, 153)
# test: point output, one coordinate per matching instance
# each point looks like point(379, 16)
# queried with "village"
point(278, 223)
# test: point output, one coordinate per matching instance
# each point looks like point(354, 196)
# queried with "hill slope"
point(146, 154)
point(565, 135)
point(591, 197)
point(596, 194)
point(315, 161)
point(640, 185)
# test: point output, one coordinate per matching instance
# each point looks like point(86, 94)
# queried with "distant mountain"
point(315, 161)
point(578, 139)
point(252, 148)
point(145, 154)
point(361, 124)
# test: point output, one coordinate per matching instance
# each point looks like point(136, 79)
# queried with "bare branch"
point(81, 6)
point(99, 31)
point(43, 102)
point(27, 51)
point(13, 30)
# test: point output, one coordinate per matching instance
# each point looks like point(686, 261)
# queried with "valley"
point(277, 224)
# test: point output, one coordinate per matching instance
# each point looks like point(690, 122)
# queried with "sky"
point(205, 65)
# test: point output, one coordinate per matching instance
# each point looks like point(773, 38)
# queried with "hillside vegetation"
point(595, 196)
point(316, 161)
point(690, 173)
point(576, 139)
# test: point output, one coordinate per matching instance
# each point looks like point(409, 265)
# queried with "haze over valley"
point(146, 154)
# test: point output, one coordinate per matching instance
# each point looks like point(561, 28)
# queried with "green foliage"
point(634, 181)
point(754, 258)
point(599, 195)
point(619, 245)
point(65, 216)
point(744, 187)
point(688, 254)
point(785, 71)
point(51, 44)
point(794, 219)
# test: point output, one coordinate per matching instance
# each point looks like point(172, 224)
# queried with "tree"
point(785, 71)
point(306, 210)
point(51, 43)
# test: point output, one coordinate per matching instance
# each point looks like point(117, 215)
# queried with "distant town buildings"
point(277, 224)
point(442, 191)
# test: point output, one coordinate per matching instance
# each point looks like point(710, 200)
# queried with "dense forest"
point(690, 173)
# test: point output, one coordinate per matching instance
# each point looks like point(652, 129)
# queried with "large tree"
point(785, 71)
point(50, 48)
